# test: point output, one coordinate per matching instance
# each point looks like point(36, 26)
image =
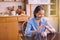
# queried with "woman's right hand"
point(40, 27)
point(38, 30)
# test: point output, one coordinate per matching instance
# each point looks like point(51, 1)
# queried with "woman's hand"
point(40, 27)
point(38, 30)
point(43, 34)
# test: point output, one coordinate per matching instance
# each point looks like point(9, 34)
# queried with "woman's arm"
point(38, 30)
point(49, 27)
point(28, 30)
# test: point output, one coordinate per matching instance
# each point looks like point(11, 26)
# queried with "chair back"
point(24, 27)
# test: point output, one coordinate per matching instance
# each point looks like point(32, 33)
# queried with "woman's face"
point(40, 14)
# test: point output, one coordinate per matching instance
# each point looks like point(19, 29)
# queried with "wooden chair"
point(51, 36)
point(22, 32)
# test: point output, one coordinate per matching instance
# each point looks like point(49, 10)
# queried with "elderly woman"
point(37, 25)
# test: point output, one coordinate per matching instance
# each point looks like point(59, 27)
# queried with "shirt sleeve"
point(49, 25)
point(28, 30)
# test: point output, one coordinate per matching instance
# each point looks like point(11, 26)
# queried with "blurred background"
point(14, 12)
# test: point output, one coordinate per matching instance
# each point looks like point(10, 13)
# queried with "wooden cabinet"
point(12, 30)
point(3, 31)
point(23, 18)
point(2, 19)
point(8, 28)
point(10, 0)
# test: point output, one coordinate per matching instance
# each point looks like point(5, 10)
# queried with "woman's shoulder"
point(30, 20)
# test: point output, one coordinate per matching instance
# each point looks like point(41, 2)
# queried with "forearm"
point(51, 30)
point(35, 31)
point(38, 30)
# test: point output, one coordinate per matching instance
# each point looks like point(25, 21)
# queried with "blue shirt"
point(32, 25)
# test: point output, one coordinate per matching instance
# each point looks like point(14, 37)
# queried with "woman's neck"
point(38, 21)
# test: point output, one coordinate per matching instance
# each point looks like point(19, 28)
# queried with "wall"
point(28, 10)
point(4, 5)
point(53, 21)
